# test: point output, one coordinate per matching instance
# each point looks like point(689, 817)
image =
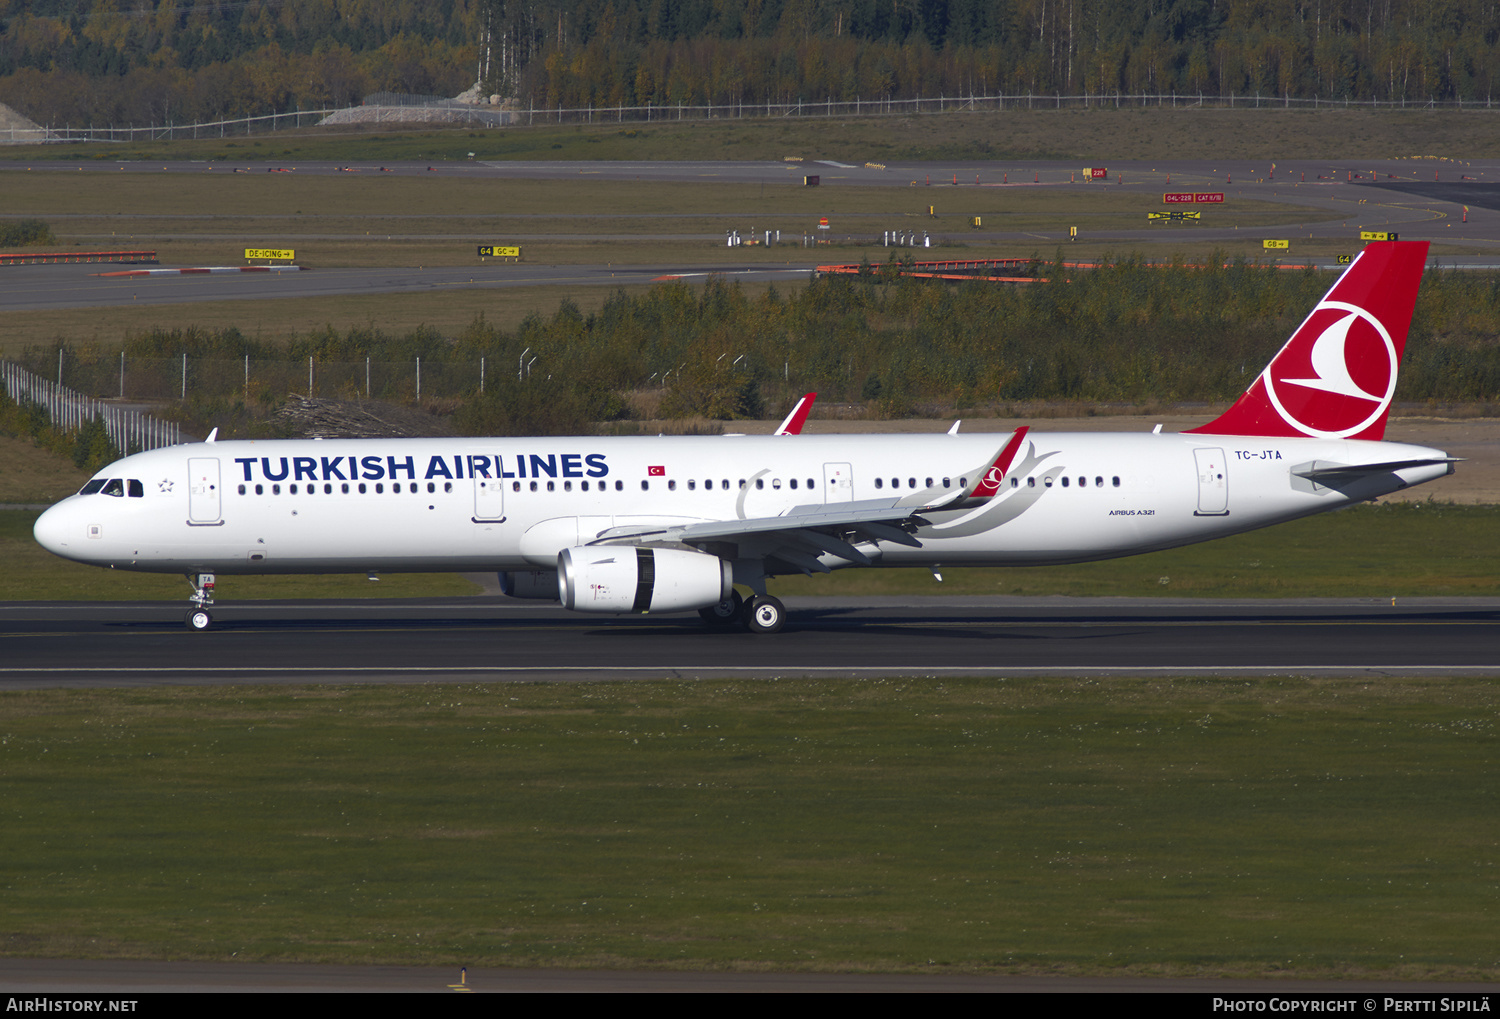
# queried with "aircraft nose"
point(55, 530)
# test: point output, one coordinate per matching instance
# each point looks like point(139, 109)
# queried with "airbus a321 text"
point(669, 524)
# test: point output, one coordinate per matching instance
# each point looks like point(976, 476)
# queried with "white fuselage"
point(471, 504)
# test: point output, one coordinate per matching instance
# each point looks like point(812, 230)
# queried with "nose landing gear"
point(198, 617)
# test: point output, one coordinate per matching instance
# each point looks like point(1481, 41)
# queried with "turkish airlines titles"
point(452, 467)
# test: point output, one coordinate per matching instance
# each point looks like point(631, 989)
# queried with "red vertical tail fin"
point(1334, 379)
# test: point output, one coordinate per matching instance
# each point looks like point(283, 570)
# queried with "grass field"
point(1084, 136)
point(382, 220)
point(372, 221)
point(1395, 550)
point(449, 311)
point(1289, 827)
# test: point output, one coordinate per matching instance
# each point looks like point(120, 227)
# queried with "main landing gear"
point(198, 617)
point(764, 614)
point(761, 614)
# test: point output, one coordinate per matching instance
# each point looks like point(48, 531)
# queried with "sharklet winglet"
point(990, 483)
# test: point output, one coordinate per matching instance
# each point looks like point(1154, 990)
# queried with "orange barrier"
point(28, 258)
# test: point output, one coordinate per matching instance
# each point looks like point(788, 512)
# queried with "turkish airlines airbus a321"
point(668, 524)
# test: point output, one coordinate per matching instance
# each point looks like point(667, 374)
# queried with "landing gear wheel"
point(198, 619)
point(724, 613)
point(764, 615)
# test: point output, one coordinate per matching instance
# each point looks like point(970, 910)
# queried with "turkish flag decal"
point(656, 472)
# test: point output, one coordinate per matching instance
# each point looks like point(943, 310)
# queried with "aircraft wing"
point(803, 533)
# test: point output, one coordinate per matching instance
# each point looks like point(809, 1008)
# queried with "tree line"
point(1129, 333)
point(82, 62)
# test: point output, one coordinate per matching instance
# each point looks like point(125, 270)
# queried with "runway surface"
point(498, 640)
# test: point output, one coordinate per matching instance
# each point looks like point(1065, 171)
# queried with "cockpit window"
point(137, 490)
point(114, 487)
point(92, 487)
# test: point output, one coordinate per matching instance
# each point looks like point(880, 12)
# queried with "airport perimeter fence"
point(952, 104)
point(257, 380)
point(128, 429)
point(395, 108)
point(238, 127)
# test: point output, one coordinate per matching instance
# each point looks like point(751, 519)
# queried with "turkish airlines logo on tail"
point(1337, 375)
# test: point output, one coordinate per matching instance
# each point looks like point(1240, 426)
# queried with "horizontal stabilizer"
point(1320, 473)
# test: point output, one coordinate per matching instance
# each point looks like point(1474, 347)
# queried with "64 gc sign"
point(493, 251)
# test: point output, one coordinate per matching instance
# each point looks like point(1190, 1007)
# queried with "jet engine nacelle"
point(625, 578)
point(540, 584)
